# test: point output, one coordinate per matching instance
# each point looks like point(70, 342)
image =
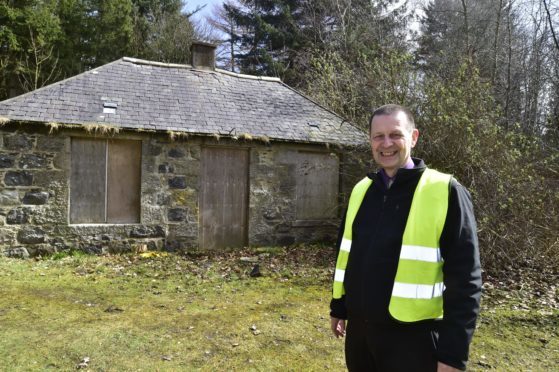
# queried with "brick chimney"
point(203, 55)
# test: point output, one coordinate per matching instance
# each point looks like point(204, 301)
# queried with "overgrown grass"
point(169, 313)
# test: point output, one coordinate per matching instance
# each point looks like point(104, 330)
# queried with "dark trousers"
point(390, 348)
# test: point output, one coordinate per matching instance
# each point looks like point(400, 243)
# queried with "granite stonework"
point(35, 193)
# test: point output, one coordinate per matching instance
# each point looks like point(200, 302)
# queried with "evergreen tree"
point(76, 48)
point(29, 29)
point(113, 26)
point(42, 41)
point(162, 32)
point(271, 34)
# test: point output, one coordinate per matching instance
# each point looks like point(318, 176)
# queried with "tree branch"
point(551, 25)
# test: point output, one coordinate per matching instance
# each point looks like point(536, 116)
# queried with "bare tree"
point(223, 30)
point(550, 20)
point(39, 67)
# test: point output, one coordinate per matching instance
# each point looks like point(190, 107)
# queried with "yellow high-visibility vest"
point(418, 285)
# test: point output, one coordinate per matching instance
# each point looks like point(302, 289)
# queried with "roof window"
point(109, 107)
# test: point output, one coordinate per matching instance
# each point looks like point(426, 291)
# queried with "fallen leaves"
point(525, 290)
point(152, 254)
point(308, 264)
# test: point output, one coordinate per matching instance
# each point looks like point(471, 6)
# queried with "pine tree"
point(272, 34)
point(28, 59)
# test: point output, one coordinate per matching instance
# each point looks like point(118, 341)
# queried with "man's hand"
point(441, 367)
point(337, 326)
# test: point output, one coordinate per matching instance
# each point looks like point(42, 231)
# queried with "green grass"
point(169, 313)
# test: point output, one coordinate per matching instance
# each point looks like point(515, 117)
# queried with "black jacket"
point(377, 238)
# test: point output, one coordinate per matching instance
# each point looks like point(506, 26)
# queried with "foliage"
point(63, 254)
point(268, 33)
point(512, 177)
point(112, 29)
point(362, 61)
point(369, 80)
point(465, 117)
point(27, 34)
point(204, 312)
point(280, 37)
point(42, 41)
point(510, 42)
point(162, 32)
point(333, 85)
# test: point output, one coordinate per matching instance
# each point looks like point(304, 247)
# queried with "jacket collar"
point(402, 175)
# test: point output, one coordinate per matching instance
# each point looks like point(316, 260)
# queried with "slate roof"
point(169, 97)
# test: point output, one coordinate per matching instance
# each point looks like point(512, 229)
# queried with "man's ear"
point(414, 137)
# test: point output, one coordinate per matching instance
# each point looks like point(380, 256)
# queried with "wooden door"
point(223, 198)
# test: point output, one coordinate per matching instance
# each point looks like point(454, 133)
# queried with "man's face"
point(392, 140)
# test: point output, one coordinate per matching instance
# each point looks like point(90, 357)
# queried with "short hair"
point(393, 109)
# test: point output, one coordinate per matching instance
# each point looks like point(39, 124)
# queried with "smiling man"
point(408, 277)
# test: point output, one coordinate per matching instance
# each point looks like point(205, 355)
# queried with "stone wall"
point(35, 184)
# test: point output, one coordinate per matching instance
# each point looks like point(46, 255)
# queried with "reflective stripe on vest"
point(418, 285)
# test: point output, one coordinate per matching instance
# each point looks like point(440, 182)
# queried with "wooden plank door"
point(223, 198)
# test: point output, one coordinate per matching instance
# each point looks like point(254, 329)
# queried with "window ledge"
point(100, 224)
point(310, 223)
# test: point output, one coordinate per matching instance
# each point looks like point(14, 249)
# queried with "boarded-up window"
point(317, 179)
point(105, 181)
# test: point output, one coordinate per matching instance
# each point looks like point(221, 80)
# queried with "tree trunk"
point(466, 30)
point(495, 43)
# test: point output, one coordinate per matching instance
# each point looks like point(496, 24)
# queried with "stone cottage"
point(164, 156)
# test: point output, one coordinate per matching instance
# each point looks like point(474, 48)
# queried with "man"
point(408, 277)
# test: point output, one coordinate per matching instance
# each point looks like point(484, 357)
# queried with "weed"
point(265, 139)
point(53, 126)
point(175, 135)
point(101, 128)
point(69, 253)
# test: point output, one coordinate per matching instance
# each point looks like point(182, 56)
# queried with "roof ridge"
point(246, 76)
point(139, 61)
point(187, 66)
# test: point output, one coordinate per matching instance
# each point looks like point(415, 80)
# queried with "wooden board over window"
point(105, 181)
point(223, 198)
point(123, 181)
point(317, 185)
point(87, 180)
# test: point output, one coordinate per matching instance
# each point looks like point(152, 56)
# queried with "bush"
point(513, 178)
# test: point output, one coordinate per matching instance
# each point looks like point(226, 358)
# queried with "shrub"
point(513, 178)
